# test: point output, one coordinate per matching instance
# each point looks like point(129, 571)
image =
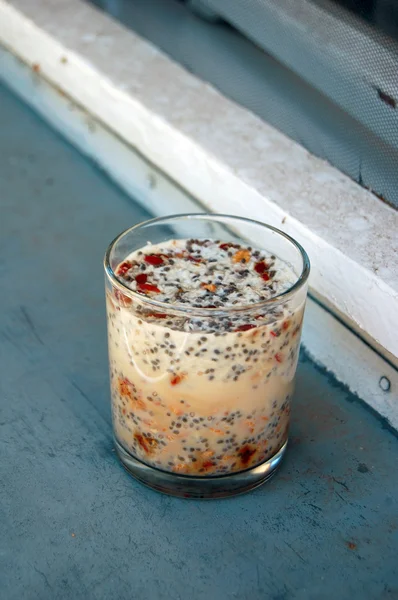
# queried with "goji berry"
point(153, 259)
point(123, 268)
point(246, 453)
point(208, 464)
point(122, 298)
point(176, 379)
point(245, 327)
point(141, 278)
point(260, 267)
point(148, 287)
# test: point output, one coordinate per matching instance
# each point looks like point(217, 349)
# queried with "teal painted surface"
point(73, 524)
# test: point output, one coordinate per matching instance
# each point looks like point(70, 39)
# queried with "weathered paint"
point(74, 525)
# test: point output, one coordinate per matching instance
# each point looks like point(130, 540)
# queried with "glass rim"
point(165, 306)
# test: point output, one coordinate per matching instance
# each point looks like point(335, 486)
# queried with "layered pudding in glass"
point(201, 383)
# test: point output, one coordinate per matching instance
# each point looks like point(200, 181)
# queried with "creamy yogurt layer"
point(202, 395)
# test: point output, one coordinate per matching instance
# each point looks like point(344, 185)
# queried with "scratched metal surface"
point(73, 524)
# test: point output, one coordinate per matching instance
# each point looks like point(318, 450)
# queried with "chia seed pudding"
point(200, 395)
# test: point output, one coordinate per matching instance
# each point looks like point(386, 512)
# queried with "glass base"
point(187, 486)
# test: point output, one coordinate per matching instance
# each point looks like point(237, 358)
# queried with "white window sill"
point(227, 158)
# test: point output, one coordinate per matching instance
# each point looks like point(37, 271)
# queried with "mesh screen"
point(324, 73)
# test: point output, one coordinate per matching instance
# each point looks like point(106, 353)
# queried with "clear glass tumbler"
point(201, 404)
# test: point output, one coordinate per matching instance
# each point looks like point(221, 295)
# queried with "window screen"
point(323, 72)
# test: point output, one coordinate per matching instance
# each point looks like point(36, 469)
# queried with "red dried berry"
point(278, 357)
point(273, 333)
point(208, 464)
point(176, 379)
point(260, 267)
point(154, 260)
point(245, 327)
point(141, 278)
point(123, 268)
point(157, 315)
point(246, 453)
point(265, 276)
point(148, 287)
point(125, 387)
point(285, 325)
point(225, 246)
point(194, 259)
point(122, 298)
point(148, 444)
